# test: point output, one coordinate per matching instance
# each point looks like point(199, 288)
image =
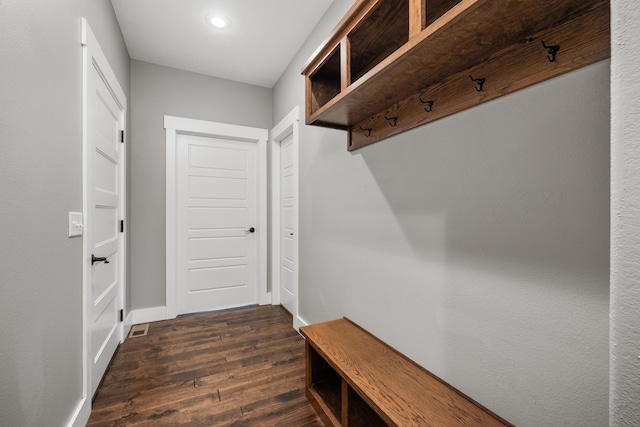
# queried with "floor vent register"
point(139, 330)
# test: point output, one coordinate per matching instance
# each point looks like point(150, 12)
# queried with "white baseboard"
point(128, 321)
point(81, 414)
point(126, 325)
point(298, 322)
point(154, 314)
point(145, 315)
point(265, 299)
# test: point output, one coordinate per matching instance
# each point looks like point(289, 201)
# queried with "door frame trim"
point(91, 51)
point(289, 125)
point(175, 126)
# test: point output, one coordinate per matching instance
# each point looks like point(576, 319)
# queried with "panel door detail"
point(105, 123)
point(288, 218)
point(217, 221)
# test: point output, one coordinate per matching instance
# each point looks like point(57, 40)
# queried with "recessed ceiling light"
point(218, 21)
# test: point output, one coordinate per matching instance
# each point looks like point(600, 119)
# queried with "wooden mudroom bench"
point(354, 379)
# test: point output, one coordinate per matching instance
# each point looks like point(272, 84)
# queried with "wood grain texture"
point(417, 16)
point(459, 36)
point(377, 35)
point(436, 8)
point(345, 64)
point(389, 386)
point(241, 367)
point(326, 82)
point(358, 10)
point(583, 40)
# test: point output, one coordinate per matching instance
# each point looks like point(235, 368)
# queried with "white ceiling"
point(263, 38)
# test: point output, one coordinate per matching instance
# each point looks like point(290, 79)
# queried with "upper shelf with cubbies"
point(391, 65)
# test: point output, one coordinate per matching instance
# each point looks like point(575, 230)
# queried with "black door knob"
point(95, 259)
point(252, 230)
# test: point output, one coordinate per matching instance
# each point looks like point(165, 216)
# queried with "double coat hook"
point(392, 120)
point(551, 50)
point(429, 105)
point(480, 83)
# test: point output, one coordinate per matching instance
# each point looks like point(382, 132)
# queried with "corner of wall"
point(624, 379)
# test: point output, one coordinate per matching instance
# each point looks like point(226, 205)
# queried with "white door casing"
point(217, 218)
point(284, 179)
point(104, 112)
point(211, 137)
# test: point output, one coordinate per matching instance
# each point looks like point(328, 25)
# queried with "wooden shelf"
point(383, 32)
point(353, 379)
point(385, 54)
point(326, 385)
point(325, 81)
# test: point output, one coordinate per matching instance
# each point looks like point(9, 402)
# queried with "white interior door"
point(105, 114)
point(217, 223)
point(288, 221)
point(284, 244)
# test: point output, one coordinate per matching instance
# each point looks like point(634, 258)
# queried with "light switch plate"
point(75, 224)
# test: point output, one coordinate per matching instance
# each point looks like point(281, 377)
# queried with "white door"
point(288, 221)
point(217, 223)
point(105, 121)
point(284, 161)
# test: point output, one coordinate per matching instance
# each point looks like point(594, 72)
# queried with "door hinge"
point(122, 225)
point(121, 136)
point(122, 315)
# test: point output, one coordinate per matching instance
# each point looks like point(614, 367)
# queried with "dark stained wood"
point(241, 367)
point(384, 386)
point(345, 403)
point(359, 413)
point(468, 35)
point(322, 382)
point(459, 35)
point(326, 81)
point(377, 35)
point(436, 8)
point(356, 12)
point(583, 41)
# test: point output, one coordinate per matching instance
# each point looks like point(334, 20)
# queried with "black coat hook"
point(392, 120)
point(480, 83)
point(367, 131)
point(429, 105)
point(551, 50)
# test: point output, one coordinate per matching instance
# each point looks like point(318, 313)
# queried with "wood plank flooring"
point(240, 367)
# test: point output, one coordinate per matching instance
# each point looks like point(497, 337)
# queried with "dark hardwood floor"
point(241, 367)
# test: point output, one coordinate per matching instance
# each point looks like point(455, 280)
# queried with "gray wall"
point(625, 214)
point(157, 91)
point(477, 245)
point(40, 181)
